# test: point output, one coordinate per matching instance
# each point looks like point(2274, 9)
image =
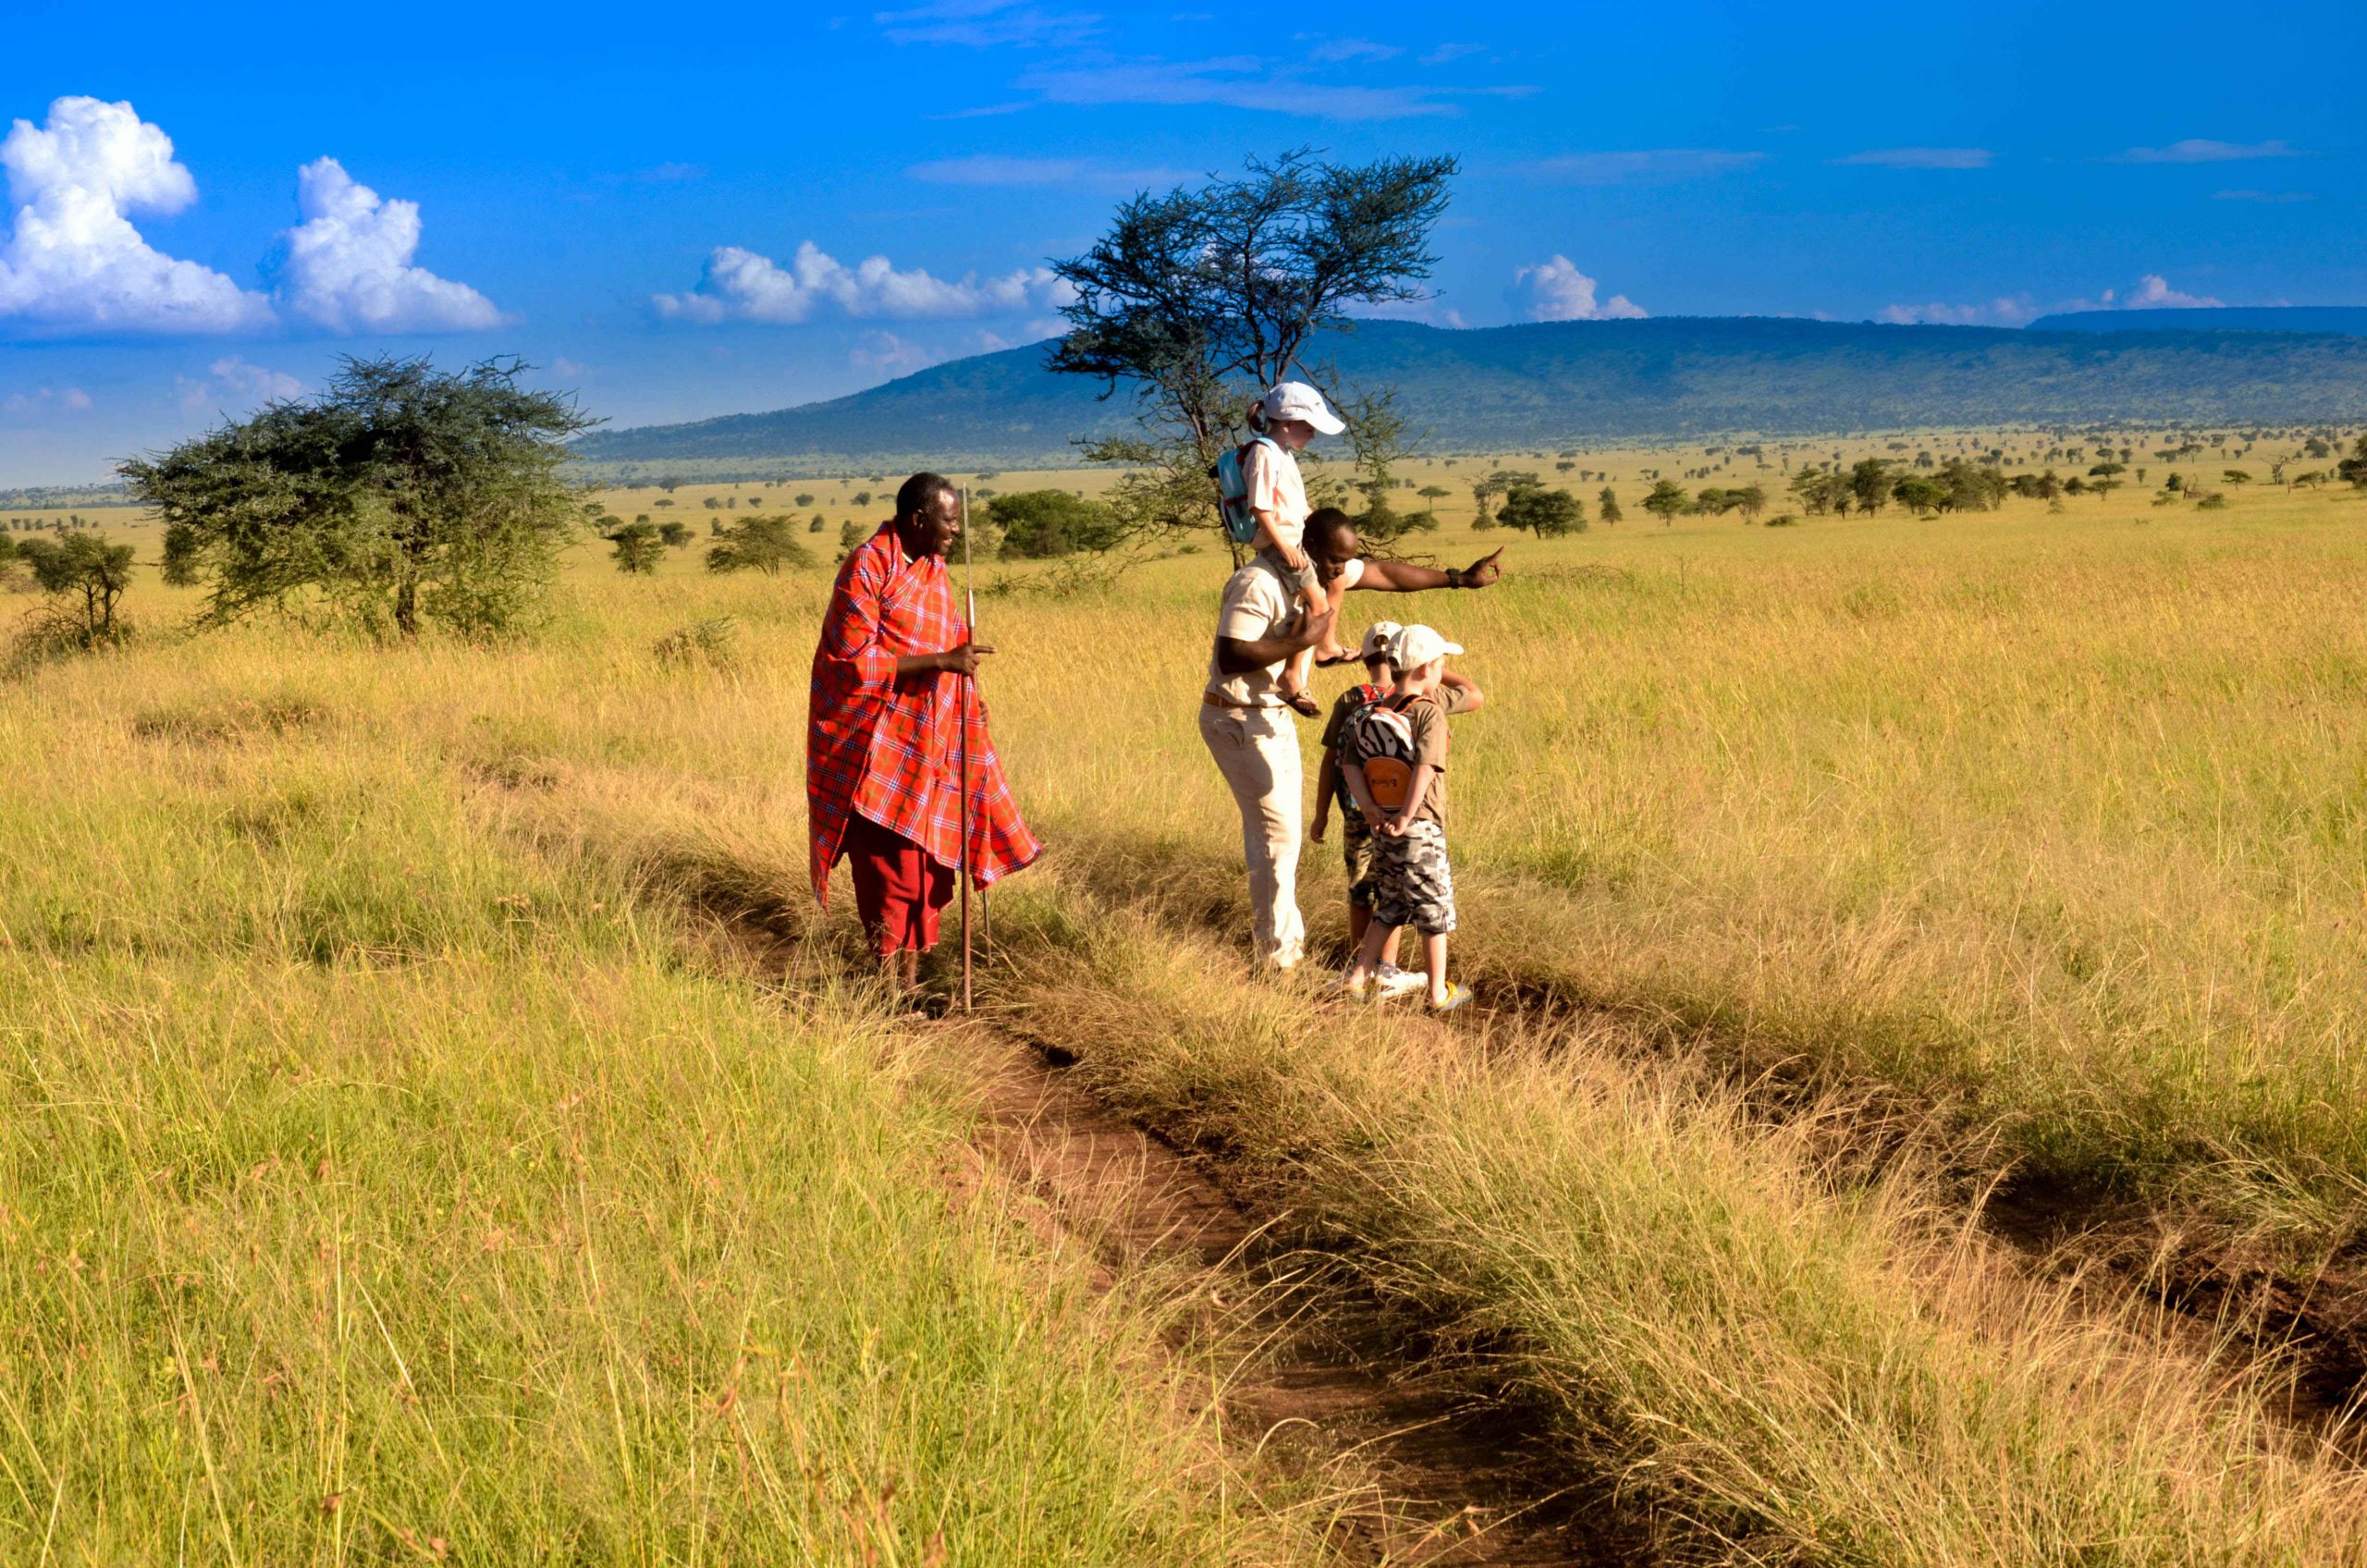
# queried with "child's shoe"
point(1457, 996)
point(1393, 982)
point(1356, 990)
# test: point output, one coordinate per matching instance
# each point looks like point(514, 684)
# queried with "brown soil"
point(1428, 1475)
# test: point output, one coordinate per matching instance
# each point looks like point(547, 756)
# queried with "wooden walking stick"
point(969, 684)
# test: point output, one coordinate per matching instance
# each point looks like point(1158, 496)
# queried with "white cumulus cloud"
point(2154, 293)
point(2000, 311)
point(73, 259)
point(740, 285)
point(71, 399)
point(348, 266)
point(1557, 291)
point(233, 383)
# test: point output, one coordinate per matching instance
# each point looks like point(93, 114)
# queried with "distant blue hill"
point(2348, 320)
point(1562, 382)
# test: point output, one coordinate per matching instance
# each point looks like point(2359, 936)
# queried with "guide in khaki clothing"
point(1249, 732)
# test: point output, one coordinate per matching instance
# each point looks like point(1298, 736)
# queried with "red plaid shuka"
point(887, 747)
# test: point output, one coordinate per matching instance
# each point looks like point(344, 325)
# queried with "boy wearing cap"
point(1355, 833)
point(1395, 756)
point(1290, 415)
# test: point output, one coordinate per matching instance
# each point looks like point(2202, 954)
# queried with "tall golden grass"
point(2043, 830)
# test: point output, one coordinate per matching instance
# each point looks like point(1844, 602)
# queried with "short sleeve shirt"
point(1275, 486)
point(1262, 600)
point(1426, 717)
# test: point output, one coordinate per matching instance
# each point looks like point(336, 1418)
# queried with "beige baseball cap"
point(1378, 637)
point(1417, 645)
point(1296, 399)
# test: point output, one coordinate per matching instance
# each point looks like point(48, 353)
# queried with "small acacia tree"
point(88, 575)
point(1668, 500)
point(400, 496)
point(1548, 514)
point(1199, 298)
point(636, 548)
point(758, 544)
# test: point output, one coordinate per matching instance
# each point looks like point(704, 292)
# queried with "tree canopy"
point(1199, 298)
point(1040, 524)
point(400, 496)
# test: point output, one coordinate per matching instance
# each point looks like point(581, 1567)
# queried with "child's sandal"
point(1457, 994)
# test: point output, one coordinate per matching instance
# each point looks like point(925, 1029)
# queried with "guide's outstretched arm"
point(1404, 577)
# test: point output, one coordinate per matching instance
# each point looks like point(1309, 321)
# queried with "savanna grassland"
point(396, 1153)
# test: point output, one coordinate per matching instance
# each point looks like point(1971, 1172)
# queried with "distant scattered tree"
point(2236, 476)
point(1548, 514)
point(1971, 486)
point(803, 498)
point(2108, 470)
point(2354, 467)
point(816, 524)
point(1607, 504)
point(399, 495)
point(1042, 524)
point(637, 548)
point(1750, 499)
point(861, 499)
point(758, 544)
point(1921, 496)
point(77, 563)
point(676, 535)
point(1870, 482)
point(1668, 500)
point(852, 534)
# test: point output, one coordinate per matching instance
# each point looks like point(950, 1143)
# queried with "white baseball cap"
point(1417, 645)
point(1378, 637)
point(1296, 399)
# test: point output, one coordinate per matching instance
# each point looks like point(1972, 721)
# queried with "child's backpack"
point(1384, 748)
point(1232, 474)
point(1347, 745)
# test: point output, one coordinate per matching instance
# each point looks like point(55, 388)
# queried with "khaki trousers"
point(1256, 750)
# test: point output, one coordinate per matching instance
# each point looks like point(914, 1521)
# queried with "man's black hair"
point(918, 491)
point(1324, 521)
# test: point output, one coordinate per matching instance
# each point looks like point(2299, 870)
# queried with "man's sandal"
point(1346, 656)
point(1301, 702)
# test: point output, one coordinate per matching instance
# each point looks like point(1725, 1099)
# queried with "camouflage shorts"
point(1412, 884)
point(1356, 848)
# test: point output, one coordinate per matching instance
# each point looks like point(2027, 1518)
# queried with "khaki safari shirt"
point(1262, 600)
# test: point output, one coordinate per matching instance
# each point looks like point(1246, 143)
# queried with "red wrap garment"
point(886, 747)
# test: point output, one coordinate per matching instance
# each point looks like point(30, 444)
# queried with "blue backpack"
point(1233, 490)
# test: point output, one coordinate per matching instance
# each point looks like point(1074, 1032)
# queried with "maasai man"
point(883, 747)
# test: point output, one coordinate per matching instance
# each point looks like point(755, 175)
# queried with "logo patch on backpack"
point(1385, 742)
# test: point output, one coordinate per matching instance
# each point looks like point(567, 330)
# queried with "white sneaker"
point(1393, 982)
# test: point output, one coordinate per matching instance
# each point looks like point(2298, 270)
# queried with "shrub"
point(757, 544)
point(1038, 525)
point(714, 643)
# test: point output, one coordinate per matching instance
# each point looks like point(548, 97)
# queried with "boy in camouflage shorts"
point(1394, 759)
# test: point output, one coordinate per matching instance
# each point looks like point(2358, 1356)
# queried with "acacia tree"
point(398, 495)
point(1195, 299)
point(77, 562)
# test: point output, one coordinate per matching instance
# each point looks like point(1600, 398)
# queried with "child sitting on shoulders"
point(1393, 757)
point(1283, 422)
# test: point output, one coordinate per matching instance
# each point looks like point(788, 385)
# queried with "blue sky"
point(703, 209)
